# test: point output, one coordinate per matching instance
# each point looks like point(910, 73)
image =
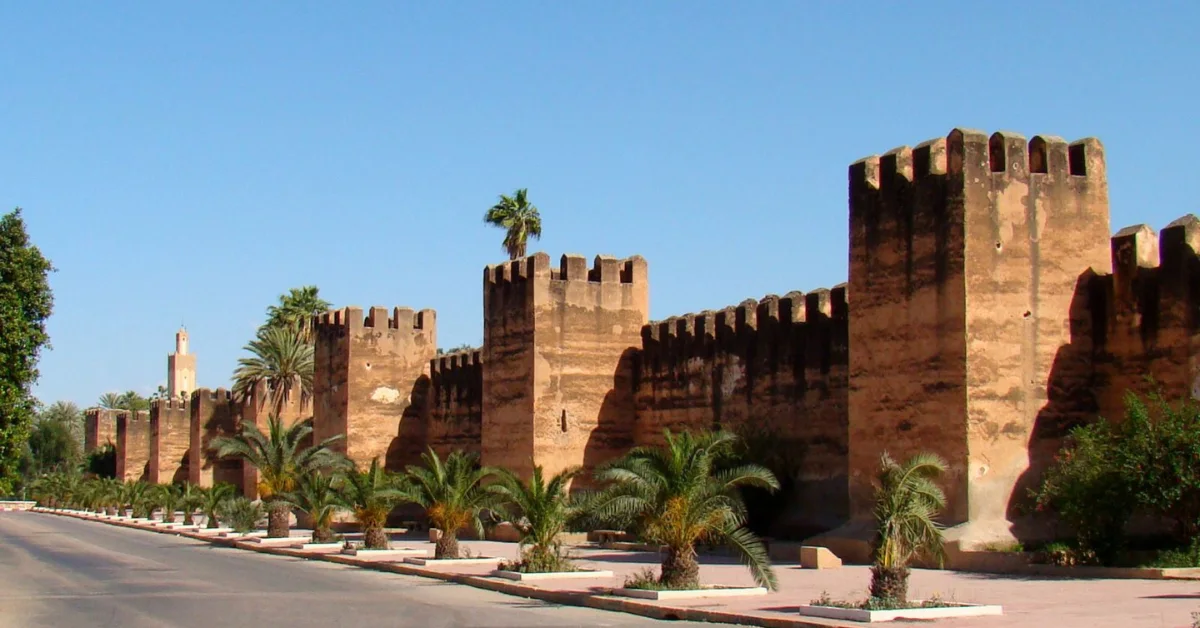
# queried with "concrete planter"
point(322, 547)
point(399, 554)
point(691, 594)
point(213, 531)
point(240, 535)
point(431, 562)
point(291, 541)
point(555, 575)
point(914, 614)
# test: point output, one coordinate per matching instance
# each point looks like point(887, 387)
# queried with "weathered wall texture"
point(99, 428)
point(455, 403)
point(559, 347)
point(133, 445)
point(970, 260)
point(170, 441)
point(213, 413)
point(773, 371)
point(370, 382)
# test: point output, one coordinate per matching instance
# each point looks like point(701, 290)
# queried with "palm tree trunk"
point(447, 546)
point(374, 538)
point(890, 584)
point(680, 569)
point(187, 517)
point(278, 526)
point(322, 534)
point(211, 520)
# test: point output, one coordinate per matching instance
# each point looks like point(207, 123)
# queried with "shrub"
point(1161, 456)
point(241, 514)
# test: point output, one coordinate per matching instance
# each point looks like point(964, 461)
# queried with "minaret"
point(181, 367)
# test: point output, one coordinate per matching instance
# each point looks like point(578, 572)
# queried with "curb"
point(507, 587)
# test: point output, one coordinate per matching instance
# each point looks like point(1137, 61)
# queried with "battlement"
point(604, 269)
point(457, 377)
point(377, 317)
point(208, 394)
point(157, 405)
point(451, 363)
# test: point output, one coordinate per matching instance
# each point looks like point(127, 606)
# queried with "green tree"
point(281, 359)
point(316, 494)
point(25, 303)
point(453, 494)
point(110, 401)
point(679, 497)
point(134, 402)
point(907, 503)
point(102, 461)
point(540, 511)
point(280, 460)
point(371, 495)
point(295, 311)
point(519, 219)
point(54, 441)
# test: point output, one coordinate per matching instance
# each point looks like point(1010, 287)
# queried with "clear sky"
point(188, 162)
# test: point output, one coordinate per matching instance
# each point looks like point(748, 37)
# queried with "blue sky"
point(188, 162)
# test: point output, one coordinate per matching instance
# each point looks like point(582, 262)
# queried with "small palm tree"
point(136, 495)
point(371, 495)
point(191, 498)
point(519, 219)
point(679, 497)
point(167, 497)
point(214, 496)
point(541, 511)
point(110, 401)
point(282, 359)
point(132, 401)
point(278, 456)
point(907, 502)
point(296, 310)
point(453, 495)
point(111, 494)
point(315, 494)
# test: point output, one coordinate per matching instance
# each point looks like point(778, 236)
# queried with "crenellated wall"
point(455, 403)
point(133, 445)
point(170, 441)
point(213, 413)
point(99, 428)
point(772, 369)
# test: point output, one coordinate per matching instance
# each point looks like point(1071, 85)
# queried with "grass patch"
point(541, 560)
point(646, 580)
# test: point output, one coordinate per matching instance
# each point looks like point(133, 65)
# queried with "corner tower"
point(970, 263)
point(181, 368)
point(559, 346)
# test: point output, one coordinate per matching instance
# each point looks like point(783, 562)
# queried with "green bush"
point(1161, 456)
point(241, 514)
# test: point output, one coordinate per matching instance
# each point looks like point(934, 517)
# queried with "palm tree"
point(111, 494)
point(110, 401)
point(282, 360)
point(679, 497)
point(907, 501)
point(278, 456)
point(167, 497)
point(452, 493)
point(315, 495)
point(371, 495)
point(134, 402)
point(191, 498)
point(296, 310)
point(519, 219)
point(136, 495)
point(214, 496)
point(541, 511)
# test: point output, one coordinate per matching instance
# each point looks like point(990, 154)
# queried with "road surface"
point(64, 573)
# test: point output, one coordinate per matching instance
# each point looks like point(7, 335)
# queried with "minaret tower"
point(181, 367)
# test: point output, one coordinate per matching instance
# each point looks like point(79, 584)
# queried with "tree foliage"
point(281, 359)
point(519, 219)
point(25, 303)
point(296, 310)
point(453, 493)
point(907, 503)
point(541, 510)
point(371, 495)
point(55, 441)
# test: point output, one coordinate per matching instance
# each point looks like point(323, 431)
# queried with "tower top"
point(181, 341)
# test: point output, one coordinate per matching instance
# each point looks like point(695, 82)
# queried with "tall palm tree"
point(111, 401)
point(214, 496)
point(679, 497)
point(279, 458)
point(280, 358)
point(907, 502)
point(296, 310)
point(519, 219)
point(453, 494)
point(371, 495)
point(541, 511)
point(316, 494)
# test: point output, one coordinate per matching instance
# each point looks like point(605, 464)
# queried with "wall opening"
point(563, 421)
point(1037, 156)
point(996, 157)
point(1078, 160)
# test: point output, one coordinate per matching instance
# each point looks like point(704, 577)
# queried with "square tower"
point(99, 429)
point(970, 261)
point(181, 368)
point(559, 346)
point(133, 445)
point(370, 379)
point(170, 441)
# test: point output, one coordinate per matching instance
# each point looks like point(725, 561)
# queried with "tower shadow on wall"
point(615, 421)
point(1070, 401)
point(408, 445)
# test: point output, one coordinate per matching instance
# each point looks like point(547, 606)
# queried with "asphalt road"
point(65, 573)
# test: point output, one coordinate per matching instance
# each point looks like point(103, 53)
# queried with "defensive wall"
point(455, 403)
point(99, 428)
point(170, 441)
point(133, 444)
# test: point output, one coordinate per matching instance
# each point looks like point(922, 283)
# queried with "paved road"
point(65, 573)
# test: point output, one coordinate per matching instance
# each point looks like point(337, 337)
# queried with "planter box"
point(322, 547)
point(396, 555)
point(708, 592)
point(213, 531)
point(430, 562)
point(287, 541)
point(239, 535)
point(556, 575)
point(940, 612)
point(633, 547)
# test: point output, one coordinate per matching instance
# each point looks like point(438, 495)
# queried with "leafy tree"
point(296, 310)
point(67, 413)
point(102, 461)
point(371, 495)
point(519, 219)
point(213, 497)
point(907, 503)
point(679, 497)
point(134, 402)
point(280, 358)
point(316, 494)
point(1158, 452)
point(540, 510)
point(453, 494)
point(280, 460)
point(25, 303)
point(54, 441)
